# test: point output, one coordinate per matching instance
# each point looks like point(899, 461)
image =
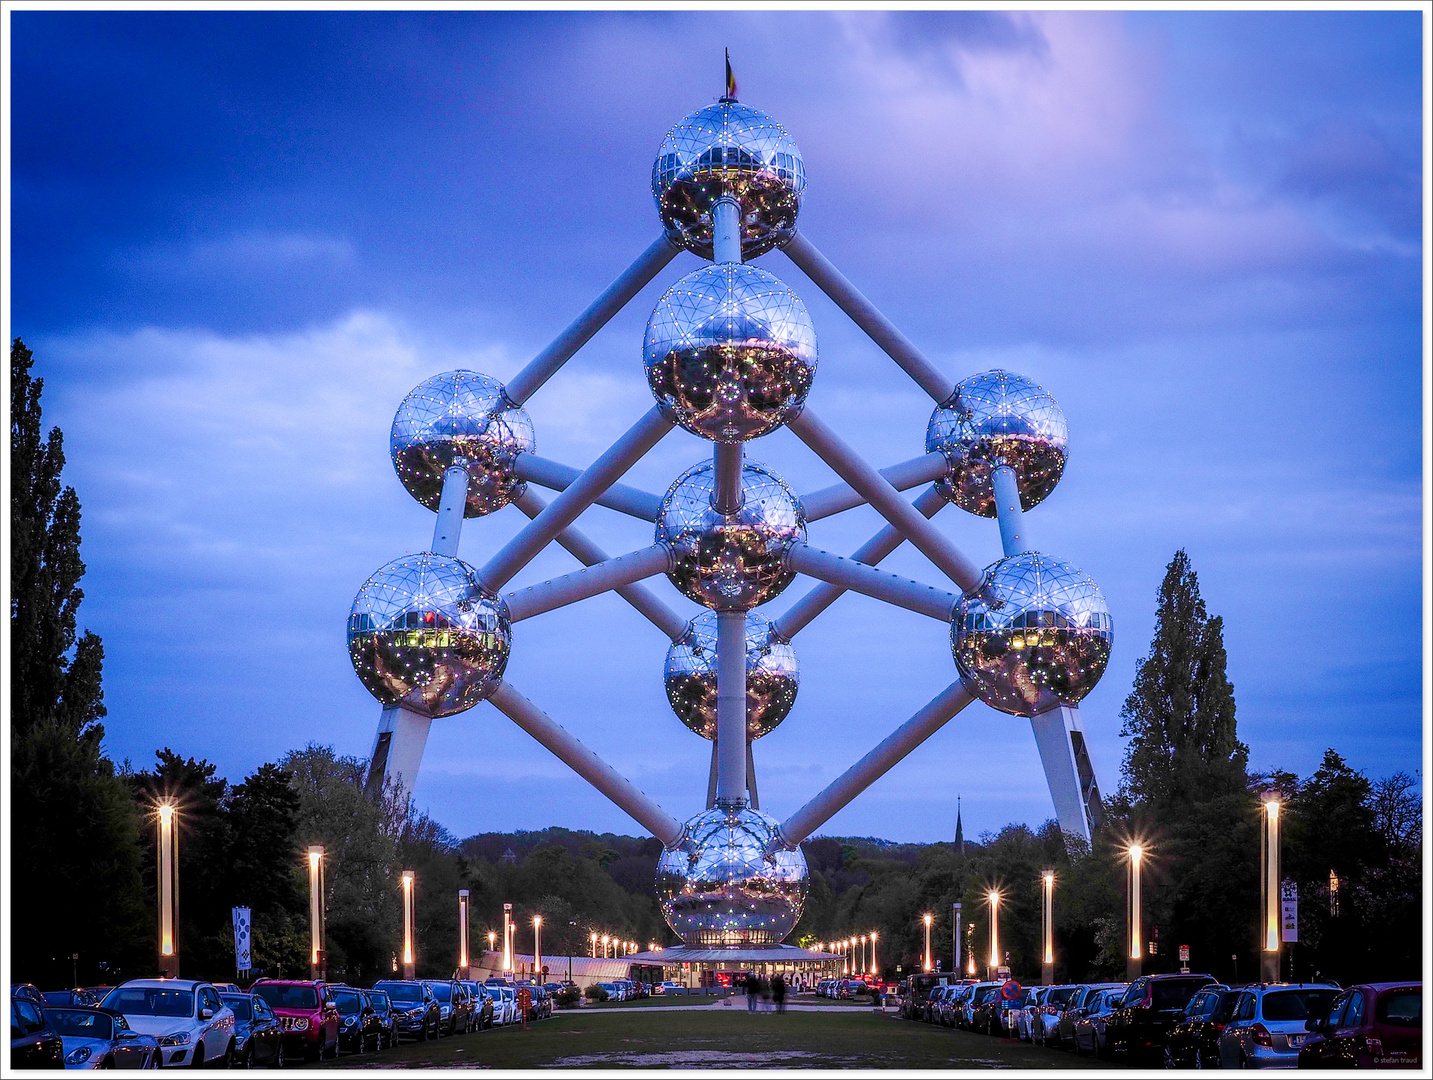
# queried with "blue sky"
point(240, 238)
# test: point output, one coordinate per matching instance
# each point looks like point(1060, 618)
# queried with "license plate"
point(1296, 1040)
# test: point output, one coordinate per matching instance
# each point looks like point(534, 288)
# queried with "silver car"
point(192, 1025)
point(1044, 1025)
point(1267, 1027)
point(1078, 1007)
point(1026, 1017)
point(99, 1039)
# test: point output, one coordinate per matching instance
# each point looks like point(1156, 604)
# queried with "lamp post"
point(970, 950)
point(955, 924)
point(168, 889)
point(593, 936)
point(1333, 894)
point(605, 939)
point(408, 962)
point(875, 968)
point(492, 941)
point(463, 958)
point(507, 938)
point(993, 898)
point(1047, 962)
point(318, 957)
point(1135, 963)
point(1269, 952)
point(536, 946)
point(927, 918)
point(865, 967)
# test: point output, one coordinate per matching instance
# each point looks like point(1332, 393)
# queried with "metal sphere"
point(730, 562)
point(460, 417)
point(424, 634)
point(731, 351)
point(1034, 625)
point(992, 419)
point(718, 887)
point(690, 675)
point(728, 149)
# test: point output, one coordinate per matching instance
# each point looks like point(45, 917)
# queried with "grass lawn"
point(661, 1001)
point(735, 1038)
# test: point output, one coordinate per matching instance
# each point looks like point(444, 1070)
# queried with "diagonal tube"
point(589, 581)
point(1008, 511)
point(580, 494)
point(559, 477)
point(452, 505)
point(731, 710)
point(866, 315)
point(885, 499)
point(589, 554)
point(872, 767)
point(632, 280)
point(906, 475)
point(587, 765)
point(871, 552)
point(867, 580)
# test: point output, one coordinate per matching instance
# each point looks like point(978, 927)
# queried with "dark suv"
point(455, 1007)
point(415, 1007)
point(1139, 1028)
point(917, 988)
point(1194, 1040)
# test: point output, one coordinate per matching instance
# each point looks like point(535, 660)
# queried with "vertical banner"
point(243, 932)
point(1290, 913)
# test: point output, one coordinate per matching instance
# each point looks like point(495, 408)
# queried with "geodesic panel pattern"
point(719, 887)
point(460, 417)
point(423, 633)
point(690, 675)
point(730, 562)
point(1036, 624)
point(728, 149)
point(992, 419)
point(731, 351)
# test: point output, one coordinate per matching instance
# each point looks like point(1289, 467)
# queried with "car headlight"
point(417, 1014)
point(349, 1021)
point(301, 1024)
point(178, 1038)
point(445, 1010)
point(78, 1056)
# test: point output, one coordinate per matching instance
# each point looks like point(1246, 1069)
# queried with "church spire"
point(959, 829)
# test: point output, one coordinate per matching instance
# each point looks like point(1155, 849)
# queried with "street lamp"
point(864, 966)
point(927, 918)
point(1136, 930)
point(1269, 954)
point(463, 932)
point(1047, 964)
point(970, 950)
point(536, 946)
point(168, 888)
point(492, 941)
point(874, 968)
point(993, 898)
point(407, 878)
point(593, 936)
point(605, 939)
point(317, 959)
point(1333, 894)
point(507, 937)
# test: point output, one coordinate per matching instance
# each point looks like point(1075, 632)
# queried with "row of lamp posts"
point(851, 963)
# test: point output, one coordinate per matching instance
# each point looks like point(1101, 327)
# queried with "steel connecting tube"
point(590, 581)
point(727, 461)
point(908, 474)
point(731, 710)
point(558, 477)
point(1009, 512)
point(452, 504)
point(867, 580)
point(726, 230)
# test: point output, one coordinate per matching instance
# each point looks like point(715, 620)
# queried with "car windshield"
point(1175, 993)
point(379, 999)
point(405, 993)
point(151, 1001)
point(442, 991)
point(347, 1001)
point(1062, 995)
point(986, 993)
point(287, 997)
point(1401, 1008)
point(242, 1006)
point(81, 1022)
point(1298, 1004)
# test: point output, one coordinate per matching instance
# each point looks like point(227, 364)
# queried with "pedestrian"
point(778, 993)
point(751, 992)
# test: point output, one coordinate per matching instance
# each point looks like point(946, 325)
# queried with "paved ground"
point(815, 1037)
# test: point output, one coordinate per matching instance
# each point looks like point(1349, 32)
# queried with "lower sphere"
point(424, 634)
point(690, 676)
point(719, 888)
point(1036, 633)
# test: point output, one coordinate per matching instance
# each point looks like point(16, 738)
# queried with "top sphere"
point(731, 351)
point(728, 149)
point(992, 419)
point(462, 418)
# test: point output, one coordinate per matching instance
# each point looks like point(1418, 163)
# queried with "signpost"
point(1290, 912)
point(1184, 959)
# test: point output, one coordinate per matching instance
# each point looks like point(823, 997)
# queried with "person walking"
point(751, 991)
point(778, 992)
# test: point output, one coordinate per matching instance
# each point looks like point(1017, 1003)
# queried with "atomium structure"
point(730, 353)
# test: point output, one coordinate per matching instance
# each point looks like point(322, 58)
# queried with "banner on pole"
point(1290, 912)
point(243, 932)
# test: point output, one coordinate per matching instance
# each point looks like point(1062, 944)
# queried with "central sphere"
point(424, 634)
point(460, 418)
point(690, 675)
point(731, 351)
point(728, 149)
point(1035, 627)
point(730, 562)
point(718, 887)
point(992, 419)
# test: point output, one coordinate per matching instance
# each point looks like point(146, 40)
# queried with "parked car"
point(1008, 1013)
point(359, 1027)
point(1193, 1042)
point(984, 1008)
point(96, 1038)
point(1371, 1025)
point(417, 1008)
point(1138, 1029)
point(482, 1003)
point(384, 1010)
point(76, 996)
point(258, 1032)
point(227, 988)
point(1266, 1027)
point(1026, 1017)
point(1065, 1022)
point(508, 996)
point(1090, 1028)
point(192, 1025)
point(306, 1010)
point(27, 992)
point(34, 1043)
point(915, 991)
point(453, 1005)
point(1043, 1024)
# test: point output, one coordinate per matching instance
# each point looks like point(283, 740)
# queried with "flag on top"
point(730, 79)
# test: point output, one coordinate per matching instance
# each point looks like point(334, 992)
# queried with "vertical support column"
point(955, 936)
point(1047, 961)
point(537, 949)
point(507, 938)
point(168, 862)
point(409, 960)
point(1056, 732)
point(726, 230)
point(1269, 888)
point(464, 957)
point(398, 750)
point(1134, 966)
point(994, 965)
point(1008, 511)
point(751, 778)
point(929, 962)
point(318, 960)
point(731, 710)
point(727, 463)
point(452, 504)
point(711, 778)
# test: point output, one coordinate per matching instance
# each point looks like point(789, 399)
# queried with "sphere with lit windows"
point(728, 149)
point(730, 562)
point(720, 888)
point(690, 675)
point(424, 634)
point(731, 352)
point(992, 419)
point(1034, 634)
point(460, 418)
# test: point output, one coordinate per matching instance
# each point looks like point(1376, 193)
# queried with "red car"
point(308, 1013)
point(1370, 1026)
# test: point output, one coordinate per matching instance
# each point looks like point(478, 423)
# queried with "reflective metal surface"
point(730, 562)
point(422, 633)
point(462, 417)
point(690, 675)
point(718, 887)
point(728, 149)
point(731, 351)
point(998, 418)
point(1035, 624)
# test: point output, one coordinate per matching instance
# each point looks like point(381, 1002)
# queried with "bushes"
point(595, 993)
point(569, 997)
